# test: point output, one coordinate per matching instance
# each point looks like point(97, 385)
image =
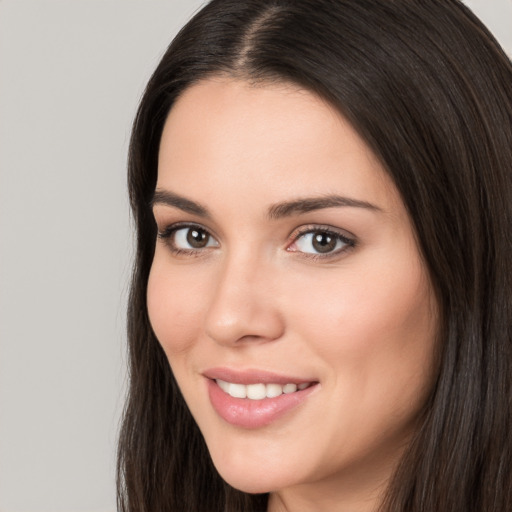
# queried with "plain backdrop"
point(71, 74)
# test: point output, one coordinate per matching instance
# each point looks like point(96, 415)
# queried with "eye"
point(321, 242)
point(188, 238)
point(192, 238)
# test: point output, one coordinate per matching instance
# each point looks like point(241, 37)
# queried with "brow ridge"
point(308, 204)
point(276, 211)
point(170, 199)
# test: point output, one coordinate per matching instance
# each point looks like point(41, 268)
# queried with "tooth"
point(256, 391)
point(273, 390)
point(223, 385)
point(289, 388)
point(259, 391)
point(237, 390)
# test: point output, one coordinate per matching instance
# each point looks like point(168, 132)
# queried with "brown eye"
point(321, 242)
point(188, 238)
point(324, 242)
point(197, 238)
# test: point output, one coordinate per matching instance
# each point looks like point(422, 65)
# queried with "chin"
point(249, 486)
point(250, 483)
point(252, 476)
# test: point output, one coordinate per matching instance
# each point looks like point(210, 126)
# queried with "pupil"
point(324, 242)
point(197, 238)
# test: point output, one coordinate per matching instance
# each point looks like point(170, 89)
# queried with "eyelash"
point(349, 243)
point(167, 236)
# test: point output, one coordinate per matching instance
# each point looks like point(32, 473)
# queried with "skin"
point(360, 321)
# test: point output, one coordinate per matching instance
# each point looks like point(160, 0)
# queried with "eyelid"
point(167, 233)
point(171, 227)
point(349, 239)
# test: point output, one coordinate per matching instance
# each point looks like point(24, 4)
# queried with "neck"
point(357, 490)
point(297, 502)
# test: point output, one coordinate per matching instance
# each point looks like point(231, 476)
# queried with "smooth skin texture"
point(359, 319)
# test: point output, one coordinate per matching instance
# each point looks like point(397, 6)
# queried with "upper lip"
point(253, 376)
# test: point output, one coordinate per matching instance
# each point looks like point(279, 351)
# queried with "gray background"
point(71, 73)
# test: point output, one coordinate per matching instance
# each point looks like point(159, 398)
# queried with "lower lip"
point(251, 414)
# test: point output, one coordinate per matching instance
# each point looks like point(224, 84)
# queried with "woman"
point(320, 316)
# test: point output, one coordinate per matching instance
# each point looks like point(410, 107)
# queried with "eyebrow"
point(182, 203)
point(308, 204)
point(276, 211)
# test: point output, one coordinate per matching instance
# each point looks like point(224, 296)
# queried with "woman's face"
point(286, 269)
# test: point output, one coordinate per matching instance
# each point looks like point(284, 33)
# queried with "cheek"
point(363, 311)
point(174, 308)
point(377, 327)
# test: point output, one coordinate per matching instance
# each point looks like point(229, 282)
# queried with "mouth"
point(255, 399)
point(260, 391)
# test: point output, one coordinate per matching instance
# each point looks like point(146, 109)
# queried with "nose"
point(244, 304)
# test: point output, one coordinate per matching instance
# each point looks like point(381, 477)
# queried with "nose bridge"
point(243, 305)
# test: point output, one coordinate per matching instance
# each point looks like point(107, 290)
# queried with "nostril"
point(247, 321)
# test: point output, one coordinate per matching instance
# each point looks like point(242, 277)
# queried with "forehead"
point(272, 139)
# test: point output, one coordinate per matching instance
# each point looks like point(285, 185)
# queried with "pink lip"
point(252, 377)
point(252, 414)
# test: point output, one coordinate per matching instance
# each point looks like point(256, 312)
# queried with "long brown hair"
point(430, 91)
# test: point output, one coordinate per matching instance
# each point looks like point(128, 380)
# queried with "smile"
point(259, 391)
point(256, 399)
